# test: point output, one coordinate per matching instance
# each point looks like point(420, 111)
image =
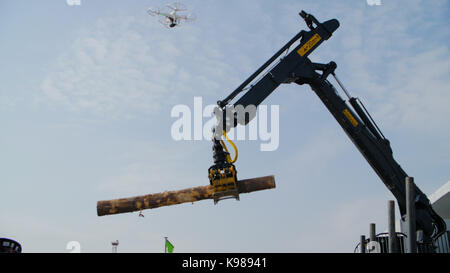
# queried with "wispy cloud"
point(128, 66)
point(418, 97)
point(111, 70)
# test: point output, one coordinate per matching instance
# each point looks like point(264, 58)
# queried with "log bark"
point(168, 198)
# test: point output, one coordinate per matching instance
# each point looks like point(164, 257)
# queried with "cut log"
point(169, 198)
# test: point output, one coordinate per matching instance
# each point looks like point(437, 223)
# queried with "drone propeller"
point(189, 17)
point(153, 11)
point(177, 7)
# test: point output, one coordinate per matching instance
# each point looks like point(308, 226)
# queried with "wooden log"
point(169, 198)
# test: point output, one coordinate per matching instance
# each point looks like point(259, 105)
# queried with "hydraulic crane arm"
point(376, 149)
point(351, 115)
point(283, 71)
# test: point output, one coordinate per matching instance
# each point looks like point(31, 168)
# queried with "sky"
point(86, 96)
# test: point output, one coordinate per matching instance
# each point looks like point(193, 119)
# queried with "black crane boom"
point(354, 119)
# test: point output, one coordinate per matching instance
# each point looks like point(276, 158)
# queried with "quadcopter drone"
point(171, 18)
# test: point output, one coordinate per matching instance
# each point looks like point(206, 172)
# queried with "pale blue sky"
point(85, 99)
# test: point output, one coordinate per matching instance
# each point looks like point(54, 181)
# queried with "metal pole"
point(372, 237)
point(165, 244)
point(341, 85)
point(372, 232)
point(362, 244)
point(391, 227)
point(411, 214)
point(114, 246)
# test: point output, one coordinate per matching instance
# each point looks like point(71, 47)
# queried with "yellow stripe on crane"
point(350, 117)
point(309, 44)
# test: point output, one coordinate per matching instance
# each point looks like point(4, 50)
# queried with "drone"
point(171, 18)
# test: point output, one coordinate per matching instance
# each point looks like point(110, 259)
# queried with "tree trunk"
point(169, 198)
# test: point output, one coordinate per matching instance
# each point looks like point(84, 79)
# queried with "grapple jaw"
point(223, 179)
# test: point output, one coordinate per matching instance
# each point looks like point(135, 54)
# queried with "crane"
point(352, 116)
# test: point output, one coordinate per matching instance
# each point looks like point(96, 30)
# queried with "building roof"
point(440, 200)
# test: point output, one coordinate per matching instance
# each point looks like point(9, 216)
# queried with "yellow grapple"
point(223, 181)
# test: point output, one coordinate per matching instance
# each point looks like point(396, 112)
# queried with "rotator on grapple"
point(222, 175)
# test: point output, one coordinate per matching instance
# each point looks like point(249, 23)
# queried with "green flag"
point(169, 246)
